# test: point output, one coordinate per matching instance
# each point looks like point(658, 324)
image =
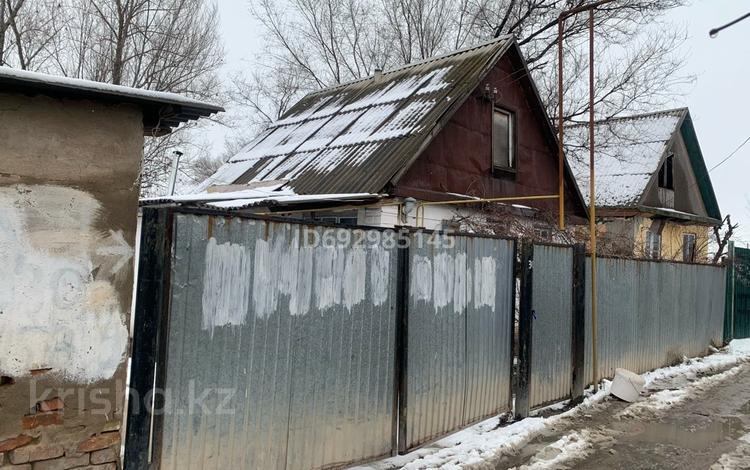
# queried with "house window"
point(543, 234)
point(341, 218)
point(503, 140)
point(688, 247)
point(666, 177)
point(653, 245)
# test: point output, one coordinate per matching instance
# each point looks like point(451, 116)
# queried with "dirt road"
point(694, 422)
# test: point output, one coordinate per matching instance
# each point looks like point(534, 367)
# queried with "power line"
point(730, 155)
point(714, 32)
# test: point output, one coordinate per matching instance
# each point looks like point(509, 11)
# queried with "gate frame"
point(149, 340)
point(402, 336)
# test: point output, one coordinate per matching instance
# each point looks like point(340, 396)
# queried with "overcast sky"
point(719, 100)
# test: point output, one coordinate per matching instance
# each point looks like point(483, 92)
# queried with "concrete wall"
point(68, 201)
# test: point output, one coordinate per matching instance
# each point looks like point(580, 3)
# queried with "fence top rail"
point(555, 245)
point(313, 223)
point(660, 261)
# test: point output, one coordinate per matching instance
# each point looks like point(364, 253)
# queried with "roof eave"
point(160, 116)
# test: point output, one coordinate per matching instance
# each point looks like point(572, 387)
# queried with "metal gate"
point(737, 324)
point(460, 322)
point(280, 348)
point(552, 331)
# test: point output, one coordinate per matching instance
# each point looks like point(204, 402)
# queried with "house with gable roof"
point(464, 126)
point(654, 196)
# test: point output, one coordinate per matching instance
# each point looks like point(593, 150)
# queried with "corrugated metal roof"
point(355, 137)
point(628, 153)
point(266, 196)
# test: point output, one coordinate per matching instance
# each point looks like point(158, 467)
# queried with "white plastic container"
point(627, 385)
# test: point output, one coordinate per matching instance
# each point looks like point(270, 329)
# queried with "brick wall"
point(61, 448)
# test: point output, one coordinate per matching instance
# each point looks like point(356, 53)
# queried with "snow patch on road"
point(569, 448)
point(483, 445)
point(738, 458)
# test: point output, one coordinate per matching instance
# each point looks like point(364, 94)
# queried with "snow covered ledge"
point(483, 445)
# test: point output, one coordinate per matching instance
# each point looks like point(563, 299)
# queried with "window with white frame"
point(652, 249)
point(503, 140)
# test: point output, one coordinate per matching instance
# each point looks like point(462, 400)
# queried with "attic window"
point(503, 140)
point(666, 178)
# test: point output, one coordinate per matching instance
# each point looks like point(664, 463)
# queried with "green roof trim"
point(699, 167)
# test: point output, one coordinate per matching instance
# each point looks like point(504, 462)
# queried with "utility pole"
point(592, 173)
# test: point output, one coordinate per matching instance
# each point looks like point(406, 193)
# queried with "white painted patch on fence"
point(355, 275)
point(226, 284)
point(421, 278)
point(58, 306)
point(321, 276)
point(302, 295)
point(461, 283)
point(442, 277)
point(329, 266)
point(484, 282)
point(380, 275)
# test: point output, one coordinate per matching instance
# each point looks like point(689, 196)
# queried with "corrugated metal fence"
point(290, 341)
point(737, 320)
point(552, 333)
point(294, 346)
point(652, 314)
point(460, 323)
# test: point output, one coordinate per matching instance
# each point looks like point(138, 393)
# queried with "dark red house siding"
point(459, 159)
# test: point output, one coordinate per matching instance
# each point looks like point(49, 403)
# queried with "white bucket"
point(627, 385)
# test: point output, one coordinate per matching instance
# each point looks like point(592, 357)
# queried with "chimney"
point(378, 75)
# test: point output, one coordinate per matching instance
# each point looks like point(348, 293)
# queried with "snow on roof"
point(628, 153)
point(271, 195)
point(355, 137)
point(7, 73)
point(162, 111)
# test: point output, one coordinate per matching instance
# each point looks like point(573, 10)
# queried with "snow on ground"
point(570, 447)
point(738, 458)
point(482, 445)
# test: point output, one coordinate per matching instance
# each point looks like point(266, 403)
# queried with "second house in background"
point(654, 196)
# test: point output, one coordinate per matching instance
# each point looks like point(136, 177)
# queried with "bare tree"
point(312, 44)
point(9, 10)
point(722, 234)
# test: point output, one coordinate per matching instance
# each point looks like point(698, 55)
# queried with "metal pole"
point(560, 150)
point(592, 204)
point(173, 177)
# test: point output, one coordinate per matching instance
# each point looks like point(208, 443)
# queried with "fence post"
point(150, 312)
point(578, 343)
point(525, 324)
point(729, 297)
point(402, 344)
